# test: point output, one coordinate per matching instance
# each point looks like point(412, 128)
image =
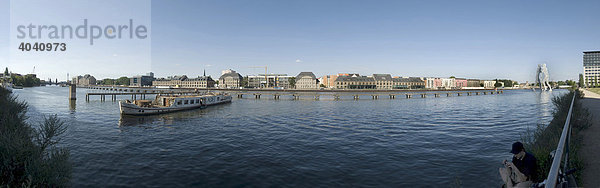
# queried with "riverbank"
point(29, 155)
point(590, 150)
point(543, 140)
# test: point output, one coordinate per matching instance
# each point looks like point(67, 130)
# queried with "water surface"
point(414, 142)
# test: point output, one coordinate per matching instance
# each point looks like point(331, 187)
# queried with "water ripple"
point(417, 142)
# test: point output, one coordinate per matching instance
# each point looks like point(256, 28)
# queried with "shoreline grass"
point(542, 140)
point(29, 156)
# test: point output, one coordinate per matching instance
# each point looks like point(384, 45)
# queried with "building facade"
point(184, 82)
point(328, 81)
point(273, 80)
point(307, 80)
point(408, 83)
point(232, 80)
point(383, 81)
point(591, 68)
point(460, 83)
point(142, 80)
point(433, 83)
point(85, 80)
point(199, 82)
point(473, 83)
point(448, 83)
point(171, 81)
point(355, 82)
point(488, 83)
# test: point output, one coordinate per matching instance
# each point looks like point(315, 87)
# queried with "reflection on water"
point(416, 142)
point(167, 118)
point(544, 104)
point(145, 120)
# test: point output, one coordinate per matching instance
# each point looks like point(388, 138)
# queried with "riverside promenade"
point(591, 141)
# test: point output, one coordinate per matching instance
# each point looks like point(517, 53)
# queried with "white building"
point(448, 83)
point(591, 68)
point(489, 83)
point(307, 80)
point(230, 80)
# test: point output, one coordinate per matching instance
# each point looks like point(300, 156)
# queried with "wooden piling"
point(72, 92)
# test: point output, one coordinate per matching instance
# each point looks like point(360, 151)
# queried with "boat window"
point(192, 101)
point(197, 100)
point(186, 102)
point(178, 102)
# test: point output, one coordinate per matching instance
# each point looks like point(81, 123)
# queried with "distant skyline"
point(472, 39)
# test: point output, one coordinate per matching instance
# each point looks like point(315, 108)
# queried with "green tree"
point(507, 83)
point(6, 71)
point(292, 81)
point(123, 81)
point(581, 82)
point(497, 84)
point(108, 81)
point(244, 82)
point(452, 77)
point(25, 81)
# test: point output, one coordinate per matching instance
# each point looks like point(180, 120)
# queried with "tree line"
point(119, 81)
point(28, 80)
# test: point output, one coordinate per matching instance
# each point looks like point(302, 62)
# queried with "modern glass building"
point(591, 68)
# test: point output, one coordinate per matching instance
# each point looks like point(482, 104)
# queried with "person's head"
point(518, 150)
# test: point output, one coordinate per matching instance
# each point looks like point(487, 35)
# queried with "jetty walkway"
point(295, 94)
point(590, 150)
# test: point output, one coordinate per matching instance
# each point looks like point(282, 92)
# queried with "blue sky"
point(474, 39)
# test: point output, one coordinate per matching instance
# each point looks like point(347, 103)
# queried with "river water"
point(416, 142)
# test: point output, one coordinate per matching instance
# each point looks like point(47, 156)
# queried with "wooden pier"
point(140, 93)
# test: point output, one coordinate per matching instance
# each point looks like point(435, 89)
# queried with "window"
point(185, 102)
point(178, 102)
point(191, 101)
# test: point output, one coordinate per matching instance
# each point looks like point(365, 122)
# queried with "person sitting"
point(522, 170)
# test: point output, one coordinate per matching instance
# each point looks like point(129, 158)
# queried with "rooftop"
point(231, 74)
point(383, 77)
point(355, 78)
point(303, 74)
point(410, 79)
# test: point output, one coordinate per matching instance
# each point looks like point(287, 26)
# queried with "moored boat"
point(172, 103)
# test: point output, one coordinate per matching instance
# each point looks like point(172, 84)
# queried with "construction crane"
point(266, 79)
